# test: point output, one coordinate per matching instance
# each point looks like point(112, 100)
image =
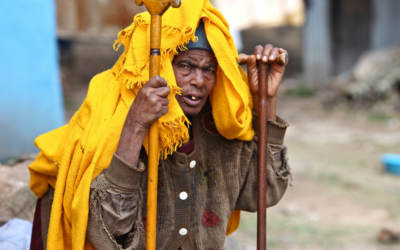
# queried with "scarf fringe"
point(124, 38)
point(177, 136)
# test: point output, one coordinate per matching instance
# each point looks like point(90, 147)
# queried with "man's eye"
point(210, 70)
point(185, 66)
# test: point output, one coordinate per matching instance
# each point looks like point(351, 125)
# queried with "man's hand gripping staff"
point(265, 70)
point(277, 59)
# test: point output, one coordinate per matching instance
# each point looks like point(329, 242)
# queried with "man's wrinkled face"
point(196, 73)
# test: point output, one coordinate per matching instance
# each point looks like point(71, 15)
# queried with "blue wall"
point(30, 89)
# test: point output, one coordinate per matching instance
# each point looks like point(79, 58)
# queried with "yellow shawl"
point(73, 155)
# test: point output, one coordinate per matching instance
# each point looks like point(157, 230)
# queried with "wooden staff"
point(156, 9)
point(262, 145)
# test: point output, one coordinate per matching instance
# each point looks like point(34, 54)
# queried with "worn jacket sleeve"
point(114, 210)
point(278, 169)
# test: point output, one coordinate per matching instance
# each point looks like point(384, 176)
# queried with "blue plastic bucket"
point(392, 163)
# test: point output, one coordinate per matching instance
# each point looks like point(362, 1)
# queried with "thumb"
point(252, 74)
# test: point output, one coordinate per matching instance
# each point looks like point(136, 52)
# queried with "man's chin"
point(191, 112)
point(188, 110)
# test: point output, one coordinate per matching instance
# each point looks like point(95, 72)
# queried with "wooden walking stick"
point(262, 146)
point(156, 9)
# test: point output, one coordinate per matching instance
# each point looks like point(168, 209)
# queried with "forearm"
point(130, 143)
point(271, 113)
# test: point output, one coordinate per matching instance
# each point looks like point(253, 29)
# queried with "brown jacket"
point(196, 192)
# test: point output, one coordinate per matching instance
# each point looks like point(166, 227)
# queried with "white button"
point(192, 164)
point(183, 196)
point(183, 231)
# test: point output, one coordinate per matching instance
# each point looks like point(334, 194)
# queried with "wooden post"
point(262, 146)
point(80, 13)
point(156, 9)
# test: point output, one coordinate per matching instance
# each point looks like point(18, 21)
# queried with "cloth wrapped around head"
point(73, 155)
point(230, 99)
point(201, 41)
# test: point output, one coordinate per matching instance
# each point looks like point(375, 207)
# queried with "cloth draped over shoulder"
point(73, 155)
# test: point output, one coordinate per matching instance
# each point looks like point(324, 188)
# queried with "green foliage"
point(379, 117)
point(301, 91)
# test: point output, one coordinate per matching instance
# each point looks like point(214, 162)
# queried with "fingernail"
point(258, 56)
point(272, 57)
point(265, 58)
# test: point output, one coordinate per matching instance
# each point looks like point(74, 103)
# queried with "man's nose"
point(198, 78)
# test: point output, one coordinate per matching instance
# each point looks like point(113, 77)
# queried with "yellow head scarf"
point(73, 155)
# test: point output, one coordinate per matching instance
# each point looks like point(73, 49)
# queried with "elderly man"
point(201, 183)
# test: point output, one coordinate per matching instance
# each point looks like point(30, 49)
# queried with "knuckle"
point(147, 94)
point(165, 110)
point(152, 100)
point(158, 78)
point(161, 80)
point(150, 82)
point(153, 82)
point(257, 48)
point(155, 110)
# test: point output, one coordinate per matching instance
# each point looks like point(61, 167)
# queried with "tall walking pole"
point(156, 9)
point(262, 146)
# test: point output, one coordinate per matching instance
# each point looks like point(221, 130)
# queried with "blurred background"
point(341, 95)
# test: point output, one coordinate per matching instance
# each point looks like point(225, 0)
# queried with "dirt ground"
point(340, 198)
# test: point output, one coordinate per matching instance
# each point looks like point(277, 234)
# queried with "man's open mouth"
point(193, 100)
